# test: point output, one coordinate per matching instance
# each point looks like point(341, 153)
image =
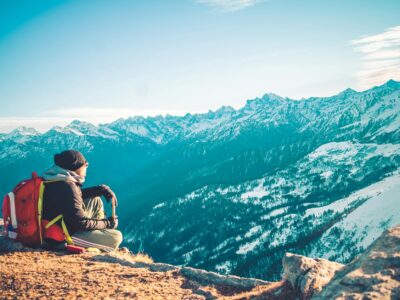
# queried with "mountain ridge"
point(220, 191)
point(391, 84)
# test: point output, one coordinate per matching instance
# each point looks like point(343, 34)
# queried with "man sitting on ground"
point(81, 209)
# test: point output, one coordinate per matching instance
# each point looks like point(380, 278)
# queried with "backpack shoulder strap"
point(40, 208)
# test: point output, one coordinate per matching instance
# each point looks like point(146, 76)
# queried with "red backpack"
point(22, 214)
point(22, 209)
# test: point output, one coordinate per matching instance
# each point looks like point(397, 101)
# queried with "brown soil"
point(49, 275)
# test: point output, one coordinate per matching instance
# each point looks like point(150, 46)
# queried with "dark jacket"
point(66, 198)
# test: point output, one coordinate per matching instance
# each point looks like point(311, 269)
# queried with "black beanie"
point(70, 160)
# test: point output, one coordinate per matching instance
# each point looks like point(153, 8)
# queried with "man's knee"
point(97, 202)
point(94, 208)
point(116, 237)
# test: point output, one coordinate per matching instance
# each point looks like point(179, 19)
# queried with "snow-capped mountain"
point(232, 190)
point(20, 134)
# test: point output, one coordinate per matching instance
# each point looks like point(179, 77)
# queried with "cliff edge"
point(39, 274)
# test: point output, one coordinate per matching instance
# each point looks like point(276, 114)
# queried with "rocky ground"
point(49, 275)
point(38, 274)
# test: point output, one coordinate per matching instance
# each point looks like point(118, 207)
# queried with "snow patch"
point(244, 249)
point(159, 205)
point(224, 268)
point(258, 192)
point(252, 231)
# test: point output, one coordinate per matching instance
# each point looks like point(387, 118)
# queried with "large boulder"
point(375, 274)
point(307, 275)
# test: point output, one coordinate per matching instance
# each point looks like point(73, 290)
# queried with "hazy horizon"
point(56, 121)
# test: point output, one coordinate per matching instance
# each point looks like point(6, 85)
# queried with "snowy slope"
point(224, 228)
point(359, 228)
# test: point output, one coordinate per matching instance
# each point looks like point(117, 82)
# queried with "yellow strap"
point(67, 236)
point(56, 219)
point(40, 209)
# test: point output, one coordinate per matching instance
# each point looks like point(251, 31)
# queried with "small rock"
point(124, 250)
point(7, 245)
point(93, 250)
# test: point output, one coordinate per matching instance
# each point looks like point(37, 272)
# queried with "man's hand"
point(113, 222)
point(108, 193)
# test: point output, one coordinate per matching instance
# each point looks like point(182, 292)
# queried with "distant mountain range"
point(233, 190)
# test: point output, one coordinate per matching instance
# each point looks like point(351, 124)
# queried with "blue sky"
point(101, 60)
